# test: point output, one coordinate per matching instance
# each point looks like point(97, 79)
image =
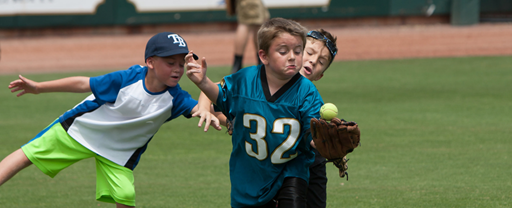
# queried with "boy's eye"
point(322, 61)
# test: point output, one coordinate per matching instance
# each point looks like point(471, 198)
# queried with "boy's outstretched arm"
point(197, 74)
point(205, 102)
point(203, 111)
point(69, 84)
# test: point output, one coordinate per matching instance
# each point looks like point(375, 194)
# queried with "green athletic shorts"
point(53, 149)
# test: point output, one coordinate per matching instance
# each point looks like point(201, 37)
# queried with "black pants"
point(291, 195)
point(317, 193)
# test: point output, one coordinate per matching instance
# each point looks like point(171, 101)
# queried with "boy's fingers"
point(189, 57)
point(201, 117)
point(15, 83)
point(21, 93)
point(216, 124)
point(193, 65)
point(192, 71)
point(201, 120)
point(23, 80)
point(207, 124)
point(195, 114)
point(204, 63)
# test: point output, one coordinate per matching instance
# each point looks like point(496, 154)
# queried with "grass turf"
point(435, 133)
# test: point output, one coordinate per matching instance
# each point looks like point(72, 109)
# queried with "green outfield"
point(435, 133)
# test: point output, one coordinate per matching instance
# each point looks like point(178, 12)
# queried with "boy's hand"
point(208, 118)
point(24, 84)
point(195, 72)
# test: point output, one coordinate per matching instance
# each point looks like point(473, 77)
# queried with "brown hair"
point(274, 27)
point(329, 36)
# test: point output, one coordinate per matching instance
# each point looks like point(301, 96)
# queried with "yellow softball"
point(328, 111)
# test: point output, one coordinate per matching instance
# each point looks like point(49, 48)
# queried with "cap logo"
point(177, 39)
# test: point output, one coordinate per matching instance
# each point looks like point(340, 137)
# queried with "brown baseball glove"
point(341, 164)
point(335, 140)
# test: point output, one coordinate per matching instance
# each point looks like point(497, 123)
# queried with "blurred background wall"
point(30, 17)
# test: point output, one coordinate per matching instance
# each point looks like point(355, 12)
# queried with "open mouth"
point(308, 70)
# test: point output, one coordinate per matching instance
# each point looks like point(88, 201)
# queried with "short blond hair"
point(276, 26)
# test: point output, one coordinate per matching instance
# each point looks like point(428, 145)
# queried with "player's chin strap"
point(341, 164)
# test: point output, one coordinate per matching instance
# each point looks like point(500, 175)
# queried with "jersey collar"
point(281, 91)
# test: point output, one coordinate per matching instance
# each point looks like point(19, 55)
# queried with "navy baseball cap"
point(166, 44)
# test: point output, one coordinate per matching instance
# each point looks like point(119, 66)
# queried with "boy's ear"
point(263, 57)
point(149, 62)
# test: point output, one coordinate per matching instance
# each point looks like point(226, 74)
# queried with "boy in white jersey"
point(115, 123)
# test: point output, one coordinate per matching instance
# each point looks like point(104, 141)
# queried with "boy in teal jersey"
point(319, 53)
point(273, 105)
point(115, 123)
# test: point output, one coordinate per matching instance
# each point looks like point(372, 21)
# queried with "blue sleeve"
point(106, 87)
point(183, 104)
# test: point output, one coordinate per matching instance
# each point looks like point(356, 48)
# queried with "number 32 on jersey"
point(260, 124)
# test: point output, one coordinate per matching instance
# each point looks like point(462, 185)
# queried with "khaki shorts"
point(251, 12)
point(53, 149)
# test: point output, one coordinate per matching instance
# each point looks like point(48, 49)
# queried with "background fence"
point(24, 14)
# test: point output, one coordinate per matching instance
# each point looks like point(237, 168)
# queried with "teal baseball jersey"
point(271, 139)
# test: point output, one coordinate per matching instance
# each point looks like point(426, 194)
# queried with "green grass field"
point(435, 133)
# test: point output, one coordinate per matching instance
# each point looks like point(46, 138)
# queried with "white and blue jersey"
point(270, 133)
point(121, 116)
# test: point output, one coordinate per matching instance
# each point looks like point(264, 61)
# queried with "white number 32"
point(261, 153)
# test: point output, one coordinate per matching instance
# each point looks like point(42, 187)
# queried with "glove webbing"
point(341, 164)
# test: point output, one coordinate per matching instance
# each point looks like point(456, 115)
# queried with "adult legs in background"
point(251, 14)
point(243, 32)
